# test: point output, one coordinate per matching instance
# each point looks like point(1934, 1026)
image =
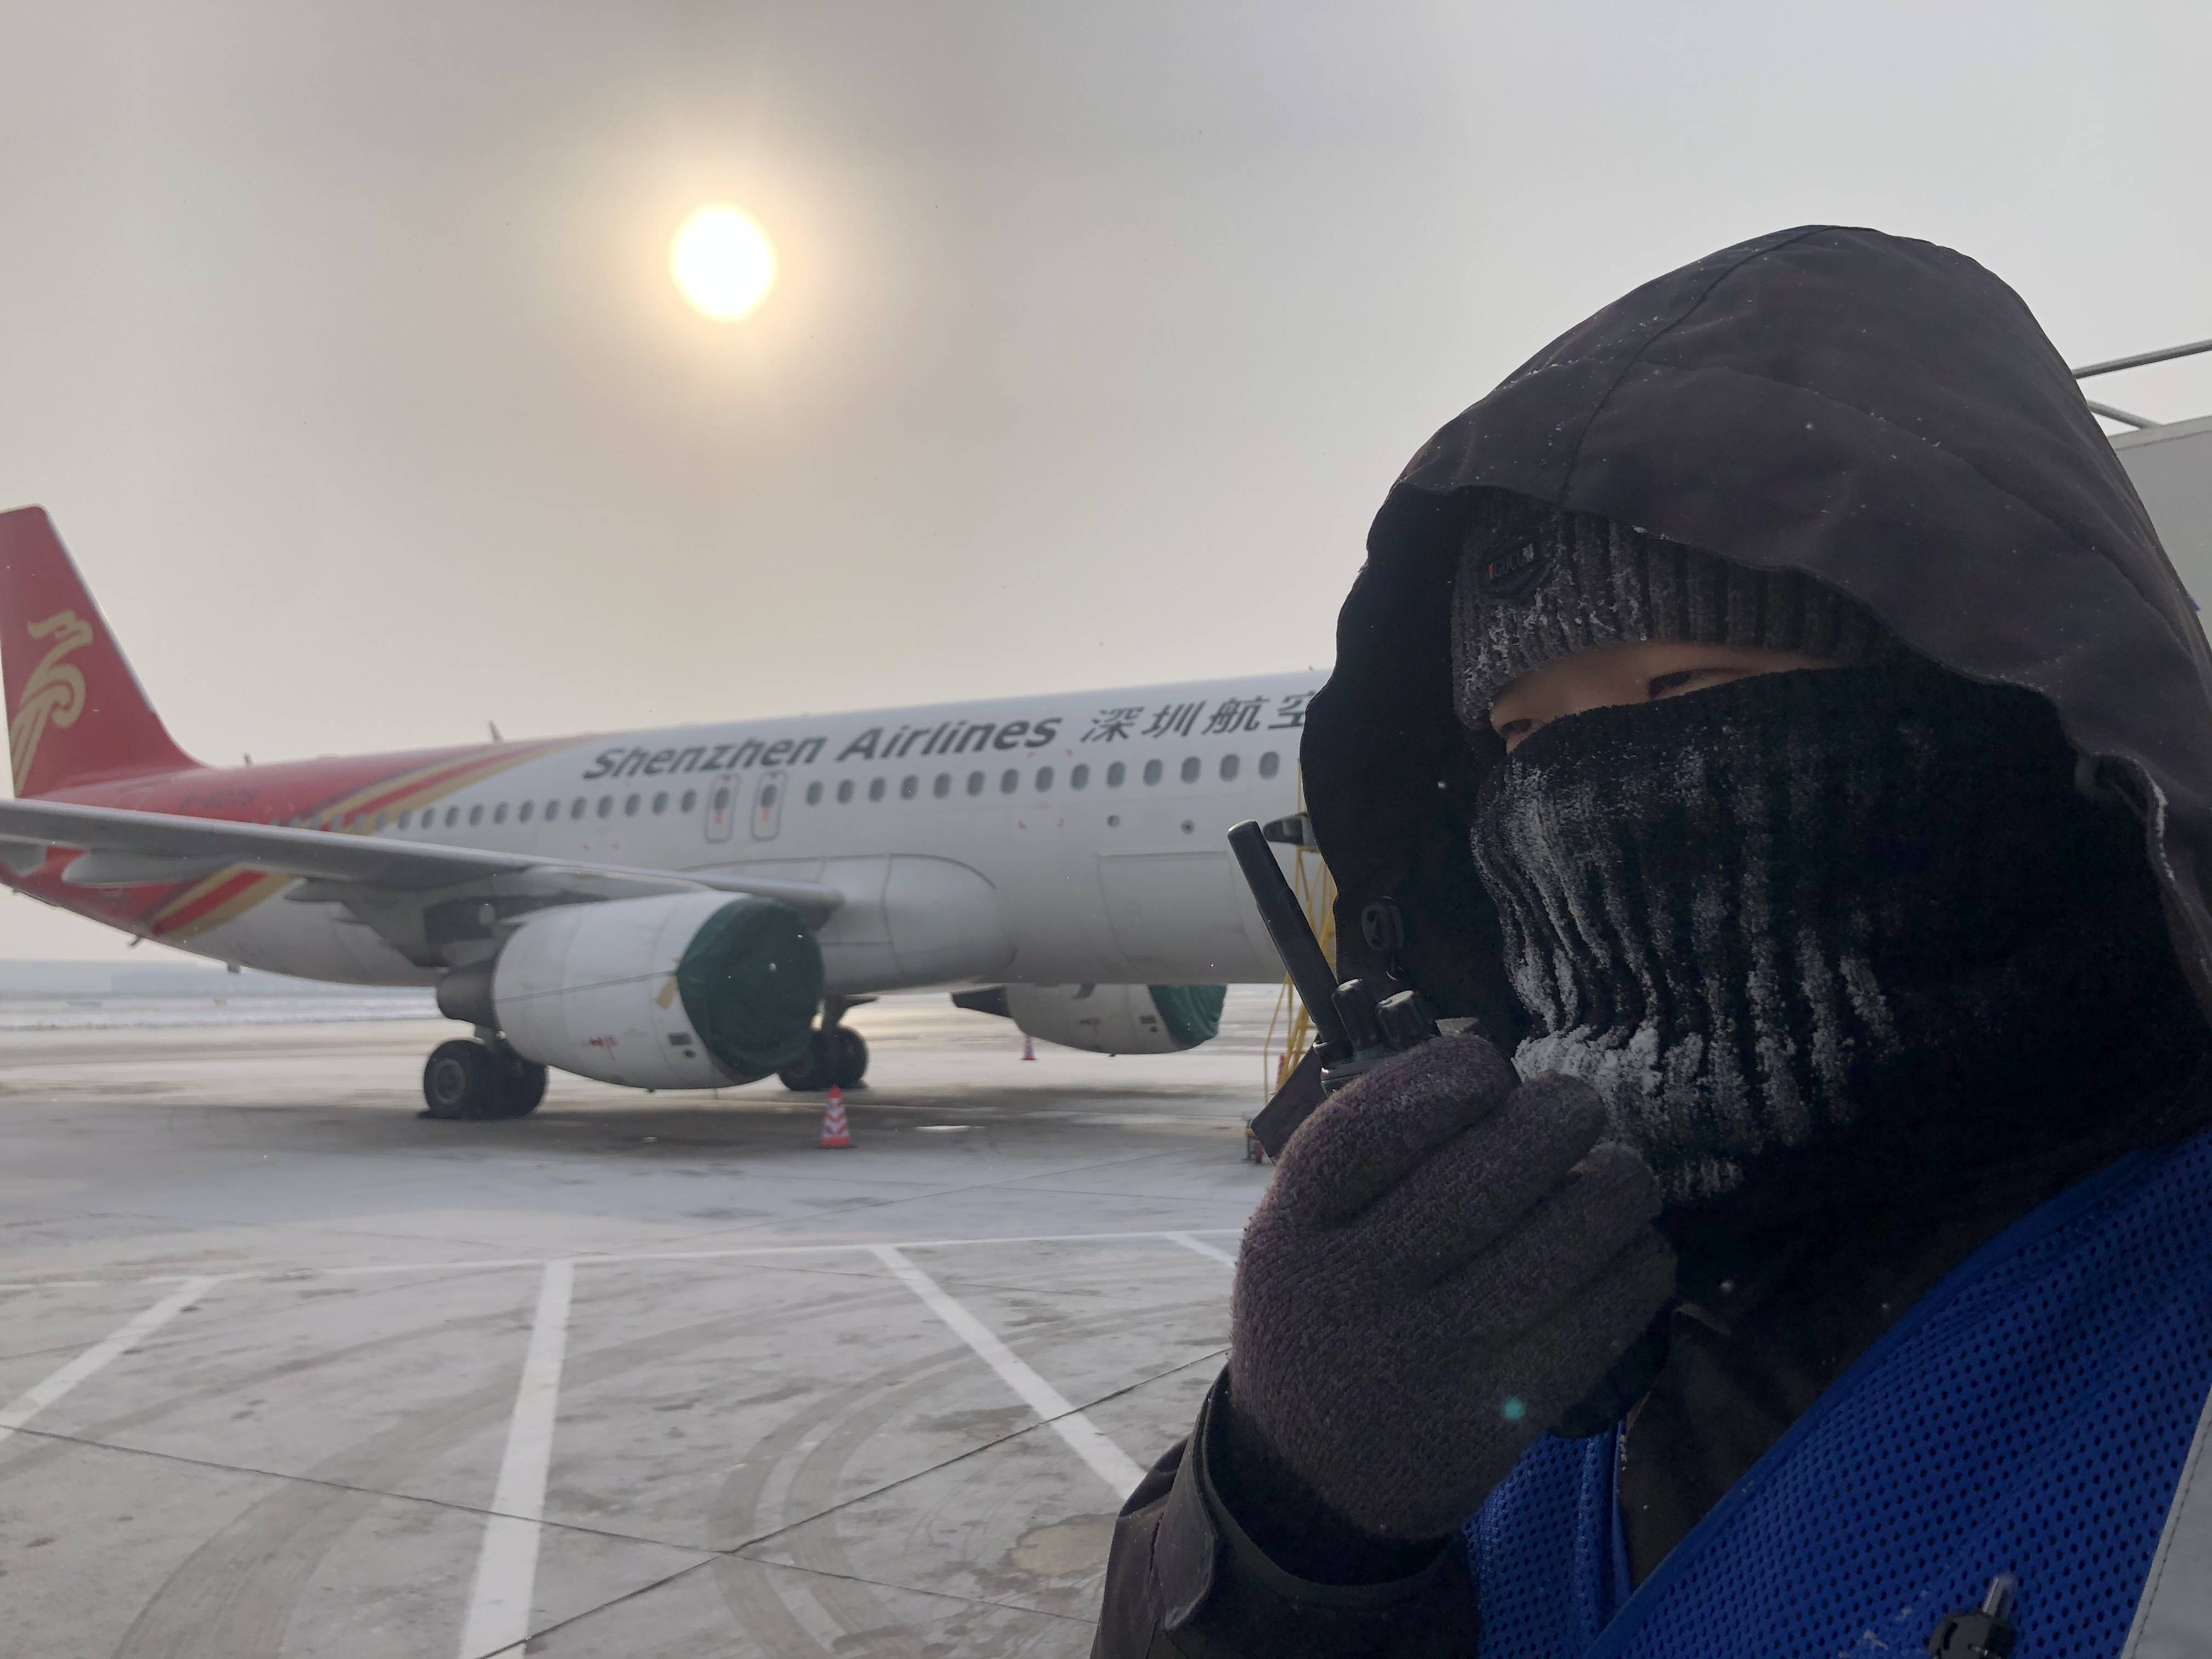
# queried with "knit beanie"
point(1535, 583)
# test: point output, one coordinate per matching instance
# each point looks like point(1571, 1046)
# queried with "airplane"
point(690, 907)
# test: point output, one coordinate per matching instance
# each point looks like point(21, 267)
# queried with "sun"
point(723, 262)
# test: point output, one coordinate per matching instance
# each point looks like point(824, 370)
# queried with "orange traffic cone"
point(834, 1132)
point(1028, 1048)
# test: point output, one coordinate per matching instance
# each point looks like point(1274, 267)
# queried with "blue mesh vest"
point(2030, 1415)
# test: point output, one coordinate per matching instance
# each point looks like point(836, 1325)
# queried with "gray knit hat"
point(1535, 583)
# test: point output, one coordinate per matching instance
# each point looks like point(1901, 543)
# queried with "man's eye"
point(1514, 730)
point(1684, 679)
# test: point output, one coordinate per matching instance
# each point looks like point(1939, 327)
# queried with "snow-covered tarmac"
point(198, 1013)
point(286, 1369)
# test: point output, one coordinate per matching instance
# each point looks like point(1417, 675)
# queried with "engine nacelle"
point(689, 991)
point(1108, 1019)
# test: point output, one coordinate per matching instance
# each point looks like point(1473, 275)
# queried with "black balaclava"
point(1818, 937)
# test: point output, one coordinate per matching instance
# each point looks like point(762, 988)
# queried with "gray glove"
point(1447, 1262)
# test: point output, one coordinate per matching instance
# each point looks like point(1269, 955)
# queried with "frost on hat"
point(1535, 583)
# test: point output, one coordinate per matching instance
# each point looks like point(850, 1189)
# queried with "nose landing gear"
point(474, 1080)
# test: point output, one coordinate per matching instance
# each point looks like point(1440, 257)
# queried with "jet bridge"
point(2170, 463)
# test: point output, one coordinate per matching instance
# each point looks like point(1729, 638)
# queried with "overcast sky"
point(338, 337)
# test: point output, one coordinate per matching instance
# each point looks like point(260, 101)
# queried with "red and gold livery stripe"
point(344, 795)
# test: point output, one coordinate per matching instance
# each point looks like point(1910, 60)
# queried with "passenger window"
point(405, 818)
point(844, 791)
point(1269, 765)
point(1114, 774)
point(875, 788)
point(522, 813)
point(975, 783)
point(942, 786)
point(1190, 770)
point(1229, 768)
point(380, 823)
point(452, 817)
point(767, 797)
point(630, 806)
point(476, 816)
point(909, 788)
point(1009, 780)
point(660, 803)
point(577, 806)
point(1044, 779)
point(690, 803)
point(1152, 771)
point(1078, 776)
point(499, 813)
point(721, 799)
point(814, 794)
point(606, 805)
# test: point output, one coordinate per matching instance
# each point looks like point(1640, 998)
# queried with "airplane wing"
point(122, 848)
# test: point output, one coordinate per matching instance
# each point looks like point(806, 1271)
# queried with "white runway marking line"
point(1106, 1460)
point(506, 1570)
point(1214, 1252)
point(41, 1394)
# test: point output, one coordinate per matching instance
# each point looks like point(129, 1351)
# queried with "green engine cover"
point(1192, 1014)
point(751, 980)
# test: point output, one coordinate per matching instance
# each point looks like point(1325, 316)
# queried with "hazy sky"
point(340, 340)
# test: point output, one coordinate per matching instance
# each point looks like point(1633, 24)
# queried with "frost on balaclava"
point(1828, 933)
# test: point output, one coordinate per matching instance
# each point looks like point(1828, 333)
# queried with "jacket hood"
point(1880, 414)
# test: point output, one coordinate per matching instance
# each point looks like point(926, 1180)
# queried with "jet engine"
point(688, 991)
point(1108, 1019)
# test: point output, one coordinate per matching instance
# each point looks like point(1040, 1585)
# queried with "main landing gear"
point(466, 1078)
point(835, 1054)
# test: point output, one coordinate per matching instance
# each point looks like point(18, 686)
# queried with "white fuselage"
point(1076, 838)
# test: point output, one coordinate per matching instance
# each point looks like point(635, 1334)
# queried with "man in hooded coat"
point(1771, 717)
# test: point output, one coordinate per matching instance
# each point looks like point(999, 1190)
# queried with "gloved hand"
point(1447, 1262)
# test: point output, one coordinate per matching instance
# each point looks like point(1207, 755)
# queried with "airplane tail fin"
point(75, 713)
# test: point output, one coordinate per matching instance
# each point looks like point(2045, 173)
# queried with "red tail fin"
point(75, 712)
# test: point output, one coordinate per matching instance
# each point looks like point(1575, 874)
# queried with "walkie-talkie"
point(1361, 1021)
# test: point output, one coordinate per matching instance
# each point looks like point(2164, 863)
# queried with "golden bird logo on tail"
point(54, 694)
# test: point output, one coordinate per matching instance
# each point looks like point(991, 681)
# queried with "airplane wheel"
point(464, 1080)
point(816, 1072)
point(850, 1057)
point(525, 1086)
point(457, 1080)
